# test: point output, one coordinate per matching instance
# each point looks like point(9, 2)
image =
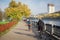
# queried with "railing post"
point(44, 27)
point(52, 29)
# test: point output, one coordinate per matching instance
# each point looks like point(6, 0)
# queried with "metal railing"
point(52, 30)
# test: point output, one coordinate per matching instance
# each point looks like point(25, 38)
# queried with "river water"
point(52, 21)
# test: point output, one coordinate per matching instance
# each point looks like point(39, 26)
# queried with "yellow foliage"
point(17, 10)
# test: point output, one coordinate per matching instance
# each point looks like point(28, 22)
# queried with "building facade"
point(51, 8)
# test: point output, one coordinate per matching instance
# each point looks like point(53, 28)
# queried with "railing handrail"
point(52, 29)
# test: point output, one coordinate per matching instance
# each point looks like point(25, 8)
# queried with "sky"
point(36, 6)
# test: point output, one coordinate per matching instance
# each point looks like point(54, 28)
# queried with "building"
point(51, 8)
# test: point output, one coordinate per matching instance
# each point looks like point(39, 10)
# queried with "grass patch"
point(3, 22)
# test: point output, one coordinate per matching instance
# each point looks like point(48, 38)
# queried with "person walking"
point(29, 24)
point(40, 27)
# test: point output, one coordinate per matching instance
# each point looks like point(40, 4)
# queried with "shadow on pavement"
point(34, 29)
point(21, 29)
point(25, 34)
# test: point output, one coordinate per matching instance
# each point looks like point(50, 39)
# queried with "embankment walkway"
point(19, 32)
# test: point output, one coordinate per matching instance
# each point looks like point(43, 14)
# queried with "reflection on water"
point(52, 21)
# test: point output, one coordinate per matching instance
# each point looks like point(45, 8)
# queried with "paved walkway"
point(20, 32)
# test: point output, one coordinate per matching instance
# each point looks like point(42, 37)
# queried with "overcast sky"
point(36, 6)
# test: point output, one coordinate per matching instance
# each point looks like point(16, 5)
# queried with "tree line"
point(50, 15)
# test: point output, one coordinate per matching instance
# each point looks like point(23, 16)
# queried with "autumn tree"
point(12, 4)
point(26, 10)
point(17, 11)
